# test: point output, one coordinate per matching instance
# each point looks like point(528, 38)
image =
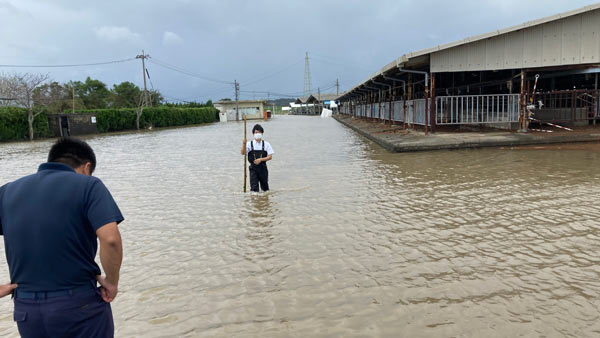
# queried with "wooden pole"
point(146, 101)
point(523, 115)
point(245, 156)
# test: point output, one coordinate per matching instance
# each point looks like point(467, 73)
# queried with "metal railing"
point(477, 109)
point(558, 106)
point(450, 110)
point(415, 111)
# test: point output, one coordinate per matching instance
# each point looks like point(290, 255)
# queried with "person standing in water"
point(259, 152)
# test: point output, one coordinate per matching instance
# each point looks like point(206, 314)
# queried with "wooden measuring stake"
point(245, 155)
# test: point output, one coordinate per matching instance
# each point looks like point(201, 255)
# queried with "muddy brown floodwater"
point(352, 241)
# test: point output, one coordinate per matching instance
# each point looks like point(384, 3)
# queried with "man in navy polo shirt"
point(51, 221)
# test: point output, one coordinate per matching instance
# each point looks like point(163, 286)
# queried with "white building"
point(253, 109)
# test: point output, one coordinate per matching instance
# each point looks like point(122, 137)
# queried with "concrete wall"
point(77, 124)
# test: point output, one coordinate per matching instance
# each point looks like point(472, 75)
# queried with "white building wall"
point(252, 110)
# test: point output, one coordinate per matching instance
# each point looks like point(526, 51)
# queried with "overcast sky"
point(260, 43)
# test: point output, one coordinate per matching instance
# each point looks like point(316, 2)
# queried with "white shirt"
point(258, 146)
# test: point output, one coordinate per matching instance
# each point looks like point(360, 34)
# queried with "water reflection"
point(261, 215)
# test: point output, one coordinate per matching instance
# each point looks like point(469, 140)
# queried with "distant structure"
point(313, 104)
point(307, 80)
point(252, 109)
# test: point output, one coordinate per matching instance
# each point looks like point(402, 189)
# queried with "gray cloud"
point(116, 34)
point(170, 38)
point(244, 40)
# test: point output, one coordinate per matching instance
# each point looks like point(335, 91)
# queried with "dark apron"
point(258, 173)
point(256, 154)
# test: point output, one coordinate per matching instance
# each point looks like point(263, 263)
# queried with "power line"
point(338, 61)
point(271, 74)
point(186, 100)
point(328, 85)
point(270, 93)
point(184, 71)
point(324, 87)
point(69, 65)
point(219, 90)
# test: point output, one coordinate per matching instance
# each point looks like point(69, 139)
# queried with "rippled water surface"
point(352, 241)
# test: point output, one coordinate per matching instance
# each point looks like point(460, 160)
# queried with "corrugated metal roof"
point(325, 97)
point(316, 97)
point(303, 99)
point(406, 57)
point(403, 60)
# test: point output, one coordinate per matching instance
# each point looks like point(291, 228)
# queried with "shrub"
point(13, 124)
point(124, 119)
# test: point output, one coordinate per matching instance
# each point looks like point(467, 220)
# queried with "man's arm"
point(111, 256)
point(7, 289)
point(263, 159)
point(1, 196)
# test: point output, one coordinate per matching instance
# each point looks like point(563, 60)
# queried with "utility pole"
point(337, 87)
point(319, 97)
point(144, 101)
point(73, 89)
point(237, 90)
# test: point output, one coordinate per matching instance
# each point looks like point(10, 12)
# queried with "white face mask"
point(257, 136)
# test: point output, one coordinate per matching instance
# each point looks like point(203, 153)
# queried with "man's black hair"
point(259, 128)
point(72, 152)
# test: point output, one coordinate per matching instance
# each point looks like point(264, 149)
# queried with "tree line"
point(37, 93)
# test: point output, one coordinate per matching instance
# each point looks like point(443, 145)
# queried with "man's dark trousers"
point(259, 173)
point(80, 315)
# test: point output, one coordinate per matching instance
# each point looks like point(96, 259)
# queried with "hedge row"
point(124, 118)
point(14, 127)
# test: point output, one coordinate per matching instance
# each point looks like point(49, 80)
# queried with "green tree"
point(156, 98)
point(125, 95)
point(94, 93)
point(55, 98)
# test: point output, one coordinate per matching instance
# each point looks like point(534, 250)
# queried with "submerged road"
point(352, 241)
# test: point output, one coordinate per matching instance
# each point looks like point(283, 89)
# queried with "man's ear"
point(84, 169)
point(88, 168)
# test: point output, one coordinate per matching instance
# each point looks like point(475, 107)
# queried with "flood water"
point(352, 241)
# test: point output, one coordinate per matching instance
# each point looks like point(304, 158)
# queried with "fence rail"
point(477, 109)
point(473, 109)
point(415, 111)
point(558, 106)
